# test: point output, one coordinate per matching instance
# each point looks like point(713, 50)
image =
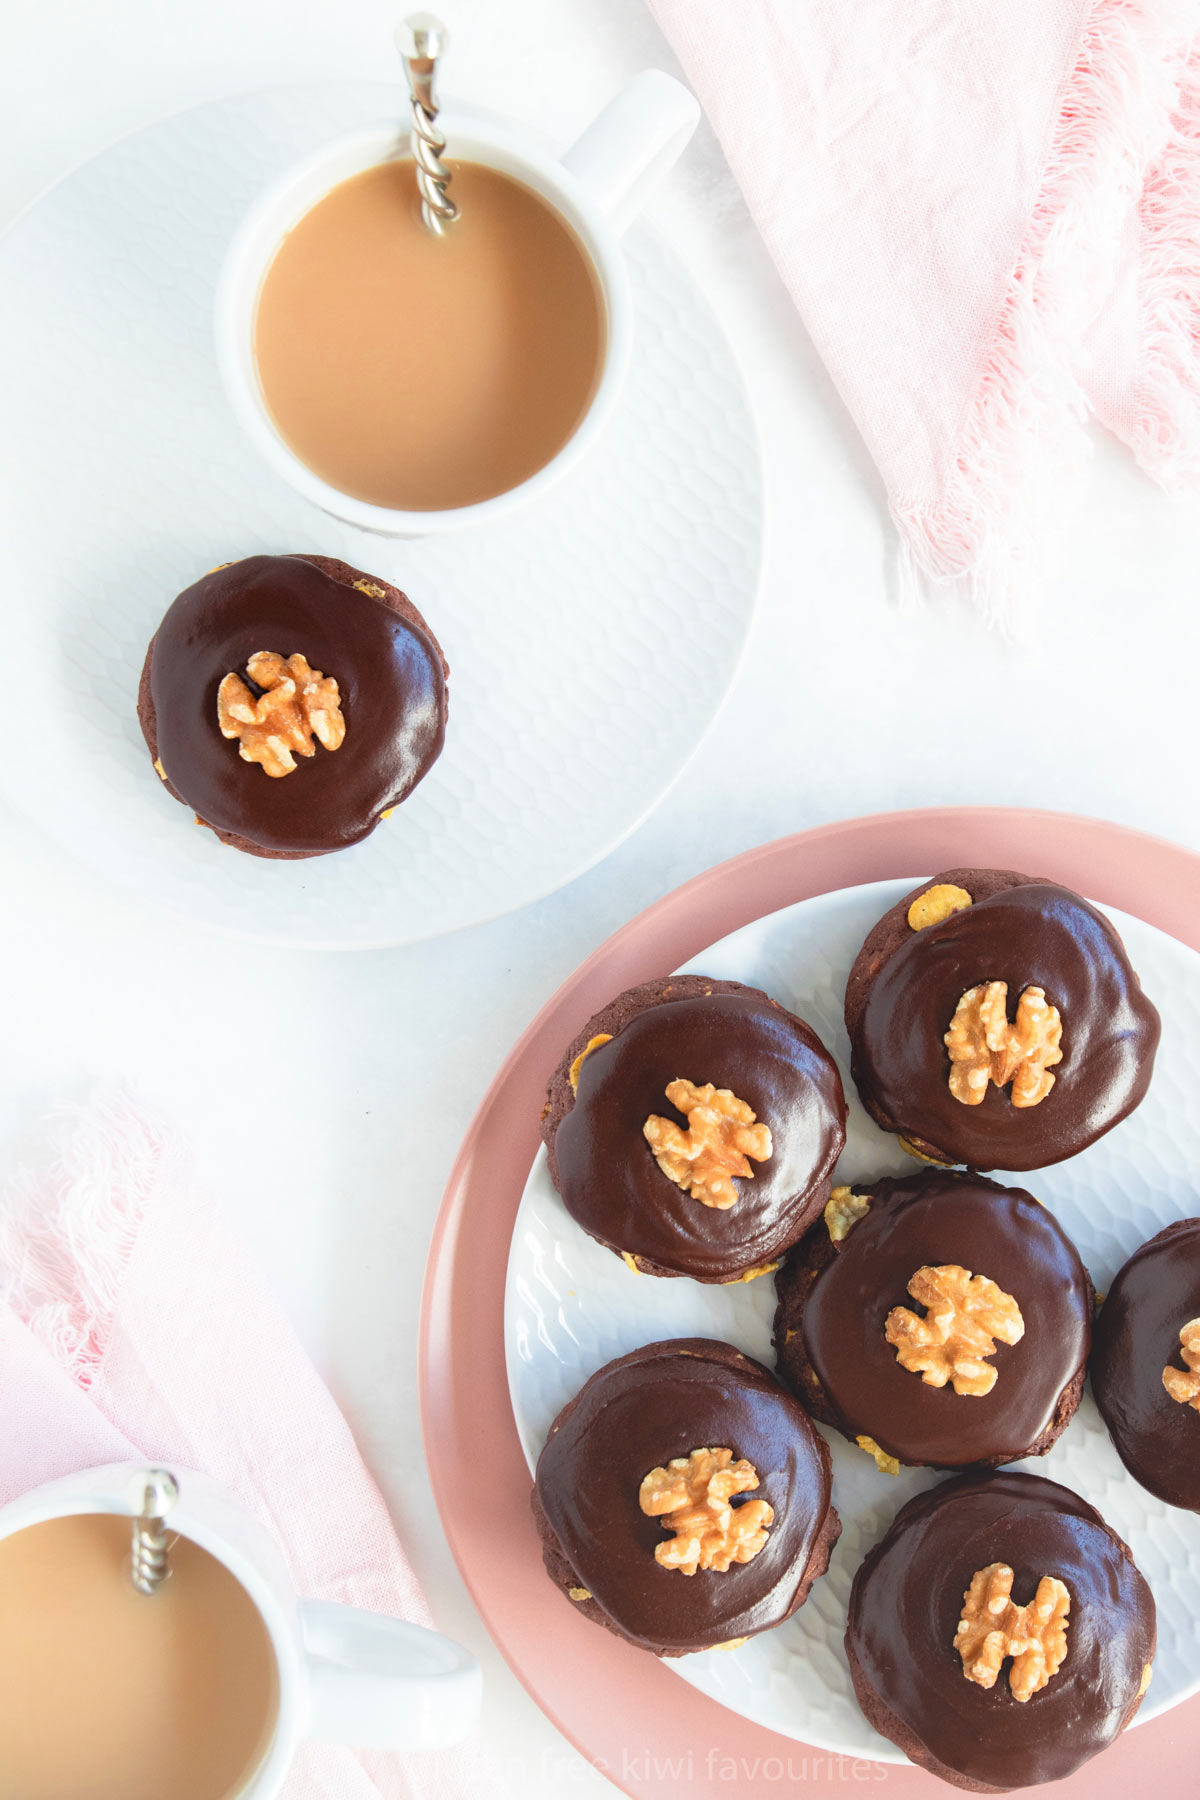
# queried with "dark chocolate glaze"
point(606, 1172)
point(1137, 1335)
point(1003, 1233)
point(907, 1600)
point(663, 1401)
point(390, 676)
point(1036, 934)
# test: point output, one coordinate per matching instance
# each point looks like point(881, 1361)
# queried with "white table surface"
point(844, 706)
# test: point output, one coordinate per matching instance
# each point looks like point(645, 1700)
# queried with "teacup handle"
point(380, 1681)
point(630, 145)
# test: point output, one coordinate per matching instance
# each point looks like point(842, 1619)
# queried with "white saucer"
point(572, 1306)
point(591, 642)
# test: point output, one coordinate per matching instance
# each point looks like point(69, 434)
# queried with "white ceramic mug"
point(597, 187)
point(345, 1675)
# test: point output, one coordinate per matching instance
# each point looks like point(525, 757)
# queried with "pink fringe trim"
point(1165, 437)
point(66, 1234)
point(1022, 437)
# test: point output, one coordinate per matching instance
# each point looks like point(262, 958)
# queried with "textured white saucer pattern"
point(590, 641)
point(571, 1306)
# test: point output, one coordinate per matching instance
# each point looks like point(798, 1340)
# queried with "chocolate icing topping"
point(607, 1174)
point(1037, 935)
point(635, 1415)
point(393, 696)
point(907, 1599)
point(999, 1232)
point(1137, 1335)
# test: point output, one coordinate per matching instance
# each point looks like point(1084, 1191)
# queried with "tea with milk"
point(420, 371)
point(110, 1694)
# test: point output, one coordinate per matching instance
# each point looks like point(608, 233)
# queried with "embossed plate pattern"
point(126, 477)
point(572, 1306)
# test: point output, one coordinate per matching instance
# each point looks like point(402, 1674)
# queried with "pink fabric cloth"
point(133, 1328)
point(989, 217)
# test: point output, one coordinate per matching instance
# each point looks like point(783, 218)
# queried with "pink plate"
point(650, 1733)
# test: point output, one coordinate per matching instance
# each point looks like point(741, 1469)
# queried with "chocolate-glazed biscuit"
point(1153, 1297)
point(906, 1603)
point(391, 677)
point(906, 984)
point(638, 1414)
point(835, 1297)
point(702, 1030)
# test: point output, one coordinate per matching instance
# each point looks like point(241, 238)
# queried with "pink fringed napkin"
point(133, 1329)
point(989, 217)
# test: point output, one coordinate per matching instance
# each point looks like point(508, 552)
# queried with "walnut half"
point(1182, 1386)
point(984, 1047)
point(721, 1137)
point(965, 1315)
point(843, 1209)
point(887, 1465)
point(991, 1628)
point(295, 705)
point(692, 1496)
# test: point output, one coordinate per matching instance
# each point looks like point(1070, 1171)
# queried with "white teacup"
point(345, 1675)
point(597, 187)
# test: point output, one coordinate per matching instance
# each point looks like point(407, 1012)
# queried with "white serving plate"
point(572, 1306)
point(126, 477)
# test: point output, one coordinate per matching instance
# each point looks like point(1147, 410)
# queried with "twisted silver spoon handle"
point(152, 1494)
point(421, 39)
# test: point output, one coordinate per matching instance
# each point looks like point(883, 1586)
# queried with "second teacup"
point(205, 1687)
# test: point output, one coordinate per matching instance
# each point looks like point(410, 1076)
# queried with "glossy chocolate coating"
point(907, 1600)
point(1003, 1233)
point(1137, 1335)
point(393, 697)
point(1036, 934)
point(663, 1401)
point(606, 1171)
